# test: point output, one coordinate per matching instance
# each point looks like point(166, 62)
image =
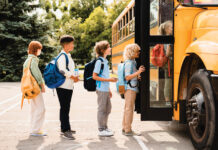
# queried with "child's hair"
point(163, 27)
point(130, 51)
point(100, 47)
point(66, 39)
point(33, 47)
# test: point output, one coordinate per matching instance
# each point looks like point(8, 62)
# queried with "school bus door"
point(156, 86)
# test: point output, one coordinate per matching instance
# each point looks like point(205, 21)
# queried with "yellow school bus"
point(189, 94)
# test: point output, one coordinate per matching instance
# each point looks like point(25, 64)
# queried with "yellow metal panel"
point(206, 47)
point(176, 112)
point(183, 21)
point(117, 50)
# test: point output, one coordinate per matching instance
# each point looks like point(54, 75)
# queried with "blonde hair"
point(163, 27)
point(130, 51)
point(100, 47)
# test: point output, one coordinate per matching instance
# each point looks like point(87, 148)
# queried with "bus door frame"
point(144, 39)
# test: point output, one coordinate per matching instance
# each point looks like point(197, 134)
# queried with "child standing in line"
point(65, 91)
point(104, 94)
point(131, 52)
point(37, 104)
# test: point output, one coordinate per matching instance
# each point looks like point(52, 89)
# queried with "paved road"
point(14, 125)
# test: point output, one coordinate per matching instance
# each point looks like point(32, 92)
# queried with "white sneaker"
point(109, 130)
point(105, 133)
point(39, 134)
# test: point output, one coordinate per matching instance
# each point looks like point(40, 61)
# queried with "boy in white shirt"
point(65, 91)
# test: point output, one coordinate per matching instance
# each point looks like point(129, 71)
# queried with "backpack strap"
point(22, 101)
point(102, 65)
point(66, 57)
point(129, 82)
point(102, 68)
point(28, 66)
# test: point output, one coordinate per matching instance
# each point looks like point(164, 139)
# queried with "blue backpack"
point(89, 83)
point(52, 76)
point(122, 83)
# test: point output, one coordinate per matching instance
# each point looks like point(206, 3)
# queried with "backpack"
point(29, 86)
point(158, 57)
point(89, 82)
point(52, 76)
point(122, 83)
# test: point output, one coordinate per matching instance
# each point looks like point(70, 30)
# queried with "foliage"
point(17, 28)
point(88, 21)
point(83, 8)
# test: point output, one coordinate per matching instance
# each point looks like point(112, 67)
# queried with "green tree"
point(83, 8)
point(94, 28)
point(17, 28)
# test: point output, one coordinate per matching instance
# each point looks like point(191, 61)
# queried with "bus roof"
point(131, 4)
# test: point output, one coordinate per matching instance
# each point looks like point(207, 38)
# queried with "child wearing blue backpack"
point(132, 75)
point(104, 94)
point(65, 90)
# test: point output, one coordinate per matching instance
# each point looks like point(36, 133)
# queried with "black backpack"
point(89, 82)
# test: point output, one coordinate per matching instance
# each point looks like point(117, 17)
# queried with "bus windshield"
point(205, 2)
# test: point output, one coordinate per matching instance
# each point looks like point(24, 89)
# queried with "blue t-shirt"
point(129, 71)
point(102, 85)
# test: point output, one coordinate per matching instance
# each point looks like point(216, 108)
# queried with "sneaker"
point(123, 131)
point(105, 133)
point(72, 131)
point(109, 130)
point(68, 135)
point(131, 133)
point(38, 134)
point(168, 104)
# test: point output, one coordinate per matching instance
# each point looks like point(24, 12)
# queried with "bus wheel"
point(200, 111)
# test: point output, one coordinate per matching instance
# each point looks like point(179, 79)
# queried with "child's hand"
point(110, 94)
point(141, 69)
point(139, 77)
point(113, 80)
point(43, 89)
point(75, 79)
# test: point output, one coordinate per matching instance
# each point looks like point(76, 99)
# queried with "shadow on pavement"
point(107, 143)
point(64, 144)
point(173, 136)
point(32, 143)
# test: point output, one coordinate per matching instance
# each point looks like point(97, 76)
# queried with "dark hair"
point(66, 39)
point(100, 47)
point(33, 47)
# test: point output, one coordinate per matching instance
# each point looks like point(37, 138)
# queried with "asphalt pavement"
point(15, 124)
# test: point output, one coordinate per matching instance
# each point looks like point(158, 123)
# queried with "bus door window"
point(160, 12)
point(161, 67)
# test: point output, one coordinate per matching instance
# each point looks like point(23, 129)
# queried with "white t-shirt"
point(61, 64)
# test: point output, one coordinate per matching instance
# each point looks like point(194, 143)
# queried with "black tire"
point(200, 111)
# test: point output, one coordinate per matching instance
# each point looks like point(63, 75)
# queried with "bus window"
point(127, 24)
point(205, 2)
point(124, 26)
point(160, 12)
point(117, 33)
point(187, 1)
point(120, 30)
point(130, 13)
point(133, 14)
